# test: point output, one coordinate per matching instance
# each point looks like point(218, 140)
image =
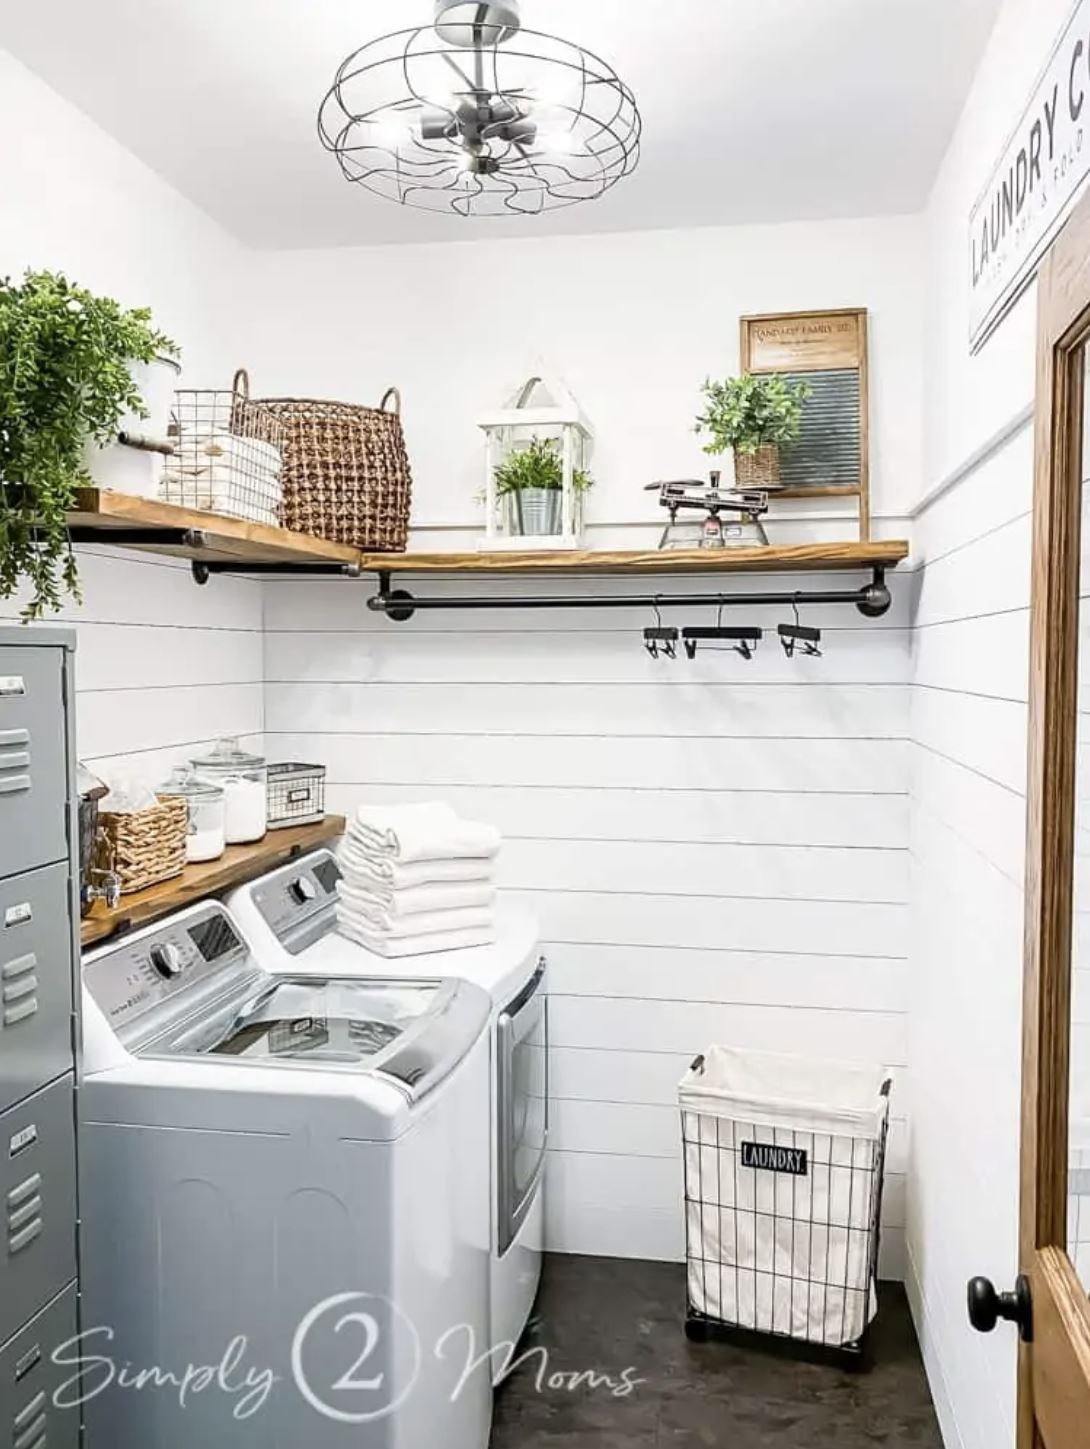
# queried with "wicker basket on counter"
point(143, 847)
point(346, 473)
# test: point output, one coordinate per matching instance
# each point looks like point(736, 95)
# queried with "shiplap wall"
point(970, 655)
point(717, 850)
point(162, 667)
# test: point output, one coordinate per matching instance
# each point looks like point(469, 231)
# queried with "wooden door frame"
point(1055, 1370)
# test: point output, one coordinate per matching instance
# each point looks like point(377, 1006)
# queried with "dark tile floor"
point(612, 1314)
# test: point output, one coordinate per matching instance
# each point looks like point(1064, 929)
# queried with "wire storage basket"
point(228, 455)
point(296, 794)
point(346, 472)
point(784, 1161)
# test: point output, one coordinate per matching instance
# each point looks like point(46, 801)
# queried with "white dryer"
point(288, 917)
point(284, 1201)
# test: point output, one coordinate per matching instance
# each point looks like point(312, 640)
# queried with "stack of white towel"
point(417, 878)
point(225, 473)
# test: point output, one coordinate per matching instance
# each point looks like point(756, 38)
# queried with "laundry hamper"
point(346, 473)
point(783, 1161)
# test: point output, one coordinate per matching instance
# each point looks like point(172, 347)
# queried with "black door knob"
point(987, 1307)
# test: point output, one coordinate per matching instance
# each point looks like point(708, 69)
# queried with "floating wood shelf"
point(817, 556)
point(130, 522)
point(238, 864)
point(214, 543)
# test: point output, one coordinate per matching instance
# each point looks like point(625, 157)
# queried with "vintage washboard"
point(828, 351)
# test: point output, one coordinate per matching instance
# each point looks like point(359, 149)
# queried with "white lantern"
point(536, 453)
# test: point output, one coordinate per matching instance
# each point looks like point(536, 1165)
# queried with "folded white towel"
point(412, 900)
point(383, 923)
point(195, 450)
point(374, 871)
point(393, 947)
point(408, 833)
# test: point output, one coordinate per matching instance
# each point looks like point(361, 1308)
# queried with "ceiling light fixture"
point(477, 116)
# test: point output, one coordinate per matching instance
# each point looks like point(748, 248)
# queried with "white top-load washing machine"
point(284, 1201)
point(288, 917)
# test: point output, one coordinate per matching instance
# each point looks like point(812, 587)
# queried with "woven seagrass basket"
point(144, 847)
point(758, 470)
point(346, 473)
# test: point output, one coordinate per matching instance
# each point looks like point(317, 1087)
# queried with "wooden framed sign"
point(827, 351)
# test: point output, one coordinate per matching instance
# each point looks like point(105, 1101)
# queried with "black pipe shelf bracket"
point(872, 600)
point(203, 569)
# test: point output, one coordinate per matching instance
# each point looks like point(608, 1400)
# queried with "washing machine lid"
point(188, 989)
point(411, 1032)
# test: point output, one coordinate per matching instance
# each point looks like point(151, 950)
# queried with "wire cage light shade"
point(477, 116)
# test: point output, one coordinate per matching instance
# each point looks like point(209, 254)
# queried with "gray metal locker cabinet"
point(39, 1002)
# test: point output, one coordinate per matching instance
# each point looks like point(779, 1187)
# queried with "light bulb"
point(556, 143)
point(393, 129)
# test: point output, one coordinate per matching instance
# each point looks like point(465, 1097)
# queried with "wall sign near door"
point(1035, 182)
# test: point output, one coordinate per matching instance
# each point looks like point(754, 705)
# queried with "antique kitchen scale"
point(741, 527)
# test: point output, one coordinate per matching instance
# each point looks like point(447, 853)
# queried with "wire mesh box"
point(228, 458)
point(296, 794)
point(784, 1162)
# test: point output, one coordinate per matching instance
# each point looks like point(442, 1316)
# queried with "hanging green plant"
point(751, 412)
point(65, 356)
point(538, 465)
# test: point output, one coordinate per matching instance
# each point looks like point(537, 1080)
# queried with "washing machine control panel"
point(296, 902)
point(133, 977)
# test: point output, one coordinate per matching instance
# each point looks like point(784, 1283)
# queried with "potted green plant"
point(530, 487)
point(66, 381)
point(755, 415)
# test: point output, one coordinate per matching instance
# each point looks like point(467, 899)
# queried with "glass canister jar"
point(205, 838)
point(244, 781)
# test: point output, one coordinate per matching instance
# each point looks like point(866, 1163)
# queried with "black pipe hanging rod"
point(872, 600)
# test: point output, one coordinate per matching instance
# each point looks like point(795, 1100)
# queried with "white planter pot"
point(132, 470)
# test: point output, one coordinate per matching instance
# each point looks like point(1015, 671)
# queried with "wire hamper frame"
point(748, 1229)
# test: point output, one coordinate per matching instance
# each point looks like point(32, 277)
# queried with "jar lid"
point(185, 781)
point(226, 754)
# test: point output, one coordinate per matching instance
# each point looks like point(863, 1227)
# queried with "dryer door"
point(522, 1084)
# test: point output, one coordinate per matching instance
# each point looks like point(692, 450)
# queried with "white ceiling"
point(754, 110)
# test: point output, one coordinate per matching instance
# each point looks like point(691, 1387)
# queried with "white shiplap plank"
point(783, 872)
point(665, 708)
point(715, 816)
point(585, 657)
point(843, 928)
point(116, 722)
point(773, 763)
point(597, 1023)
point(139, 657)
point(656, 973)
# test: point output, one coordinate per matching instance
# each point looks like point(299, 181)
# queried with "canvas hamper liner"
point(783, 1161)
point(346, 473)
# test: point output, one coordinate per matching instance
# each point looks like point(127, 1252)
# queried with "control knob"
point(302, 890)
point(167, 960)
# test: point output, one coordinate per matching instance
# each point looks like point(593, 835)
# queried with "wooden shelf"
point(238, 864)
point(664, 561)
point(226, 540)
point(143, 523)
